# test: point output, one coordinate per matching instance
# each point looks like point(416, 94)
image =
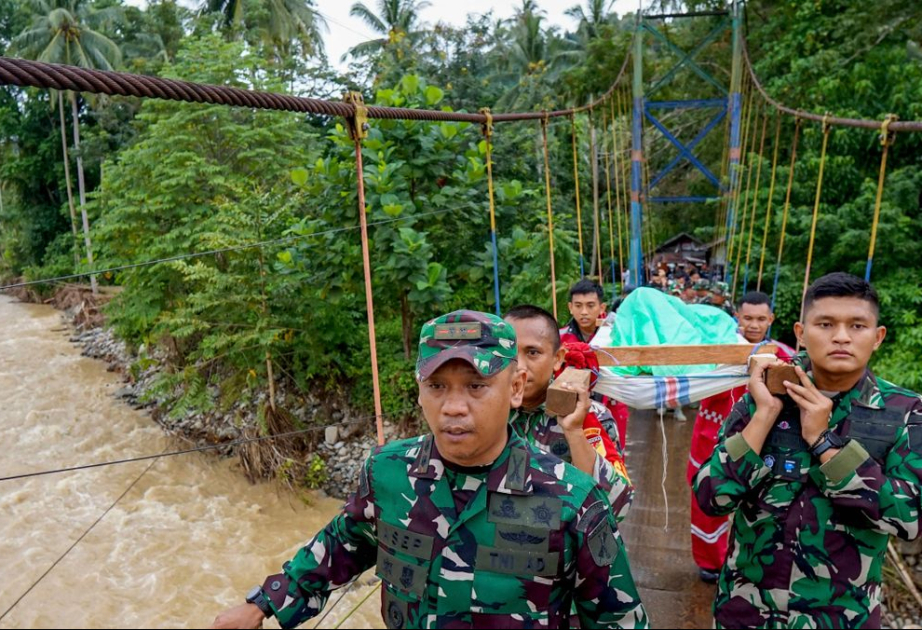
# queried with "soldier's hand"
point(574, 421)
point(815, 408)
point(765, 401)
point(243, 616)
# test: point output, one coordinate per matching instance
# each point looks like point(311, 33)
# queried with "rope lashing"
point(771, 194)
point(887, 138)
point(816, 211)
point(550, 212)
point(579, 214)
point(358, 130)
point(617, 167)
point(487, 129)
point(755, 201)
point(787, 207)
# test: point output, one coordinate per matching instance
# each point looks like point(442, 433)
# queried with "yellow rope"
point(579, 215)
point(816, 210)
point(755, 197)
point(625, 177)
point(615, 163)
point(370, 592)
point(550, 213)
point(886, 139)
point(735, 194)
point(611, 218)
point(596, 217)
point(743, 205)
point(787, 204)
point(771, 193)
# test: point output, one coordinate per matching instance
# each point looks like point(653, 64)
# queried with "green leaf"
point(299, 176)
point(285, 257)
point(410, 84)
point(434, 95)
point(393, 210)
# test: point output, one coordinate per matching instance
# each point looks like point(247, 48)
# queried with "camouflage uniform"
point(542, 431)
point(516, 544)
point(808, 540)
point(513, 547)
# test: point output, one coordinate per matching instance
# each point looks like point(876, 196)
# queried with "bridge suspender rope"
point(743, 204)
point(787, 207)
point(579, 215)
point(488, 139)
point(358, 129)
point(816, 214)
point(755, 200)
point(611, 216)
point(771, 194)
point(887, 138)
point(617, 168)
point(550, 212)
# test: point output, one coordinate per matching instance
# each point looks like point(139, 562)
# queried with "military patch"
point(603, 545)
point(522, 563)
point(516, 469)
point(875, 429)
point(406, 577)
point(521, 537)
point(525, 510)
point(416, 545)
point(395, 612)
point(459, 331)
point(590, 517)
point(560, 448)
point(594, 437)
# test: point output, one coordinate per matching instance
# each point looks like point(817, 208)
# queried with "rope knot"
point(886, 136)
point(487, 126)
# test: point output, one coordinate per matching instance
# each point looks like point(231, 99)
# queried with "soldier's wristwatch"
point(828, 440)
point(257, 597)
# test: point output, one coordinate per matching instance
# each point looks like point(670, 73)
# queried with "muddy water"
point(188, 539)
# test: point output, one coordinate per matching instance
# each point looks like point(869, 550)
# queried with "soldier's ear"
point(518, 387)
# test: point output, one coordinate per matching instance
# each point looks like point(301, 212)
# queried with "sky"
point(347, 31)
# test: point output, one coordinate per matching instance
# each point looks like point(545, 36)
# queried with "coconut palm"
point(62, 31)
point(395, 20)
point(286, 21)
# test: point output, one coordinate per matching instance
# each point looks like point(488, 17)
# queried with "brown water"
point(187, 541)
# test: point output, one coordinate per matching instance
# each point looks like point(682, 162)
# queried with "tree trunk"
point(594, 156)
point(407, 323)
point(81, 184)
point(70, 188)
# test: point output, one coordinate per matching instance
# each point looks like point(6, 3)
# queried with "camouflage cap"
point(483, 340)
point(720, 288)
point(703, 285)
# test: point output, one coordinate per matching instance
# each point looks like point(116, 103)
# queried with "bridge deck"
point(661, 561)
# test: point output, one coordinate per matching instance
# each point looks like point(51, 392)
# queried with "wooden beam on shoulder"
point(728, 354)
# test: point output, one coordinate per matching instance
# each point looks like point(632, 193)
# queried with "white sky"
point(347, 31)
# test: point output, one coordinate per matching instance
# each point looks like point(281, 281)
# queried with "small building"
point(681, 249)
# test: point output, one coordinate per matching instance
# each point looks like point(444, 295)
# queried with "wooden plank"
point(730, 354)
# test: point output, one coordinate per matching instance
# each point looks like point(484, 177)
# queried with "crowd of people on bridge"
point(505, 515)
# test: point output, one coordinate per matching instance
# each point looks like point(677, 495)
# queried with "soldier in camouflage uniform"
point(587, 438)
point(469, 527)
point(818, 480)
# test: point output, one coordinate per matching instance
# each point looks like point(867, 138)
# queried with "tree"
point(397, 19)
point(279, 22)
point(62, 32)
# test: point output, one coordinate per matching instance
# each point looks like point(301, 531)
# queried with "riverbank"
point(340, 436)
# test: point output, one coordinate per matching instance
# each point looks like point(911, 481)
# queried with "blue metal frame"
point(685, 151)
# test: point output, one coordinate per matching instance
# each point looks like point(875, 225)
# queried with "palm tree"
point(286, 21)
point(590, 19)
point(396, 20)
point(62, 32)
